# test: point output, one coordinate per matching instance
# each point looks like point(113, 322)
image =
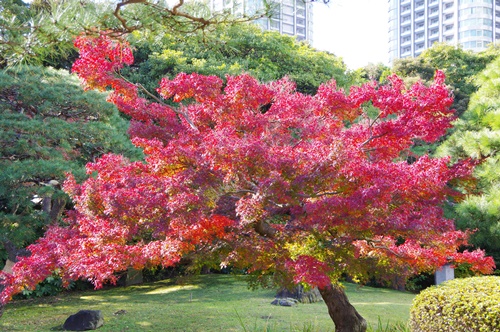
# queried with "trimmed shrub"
point(460, 305)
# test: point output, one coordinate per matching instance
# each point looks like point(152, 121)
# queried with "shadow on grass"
point(207, 288)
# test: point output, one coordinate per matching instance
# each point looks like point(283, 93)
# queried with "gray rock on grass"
point(84, 320)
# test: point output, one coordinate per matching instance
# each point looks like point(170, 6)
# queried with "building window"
point(476, 10)
point(287, 19)
point(287, 28)
point(405, 39)
point(476, 33)
point(406, 49)
point(405, 29)
point(476, 21)
point(475, 44)
point(419, 35)
point(463, 2)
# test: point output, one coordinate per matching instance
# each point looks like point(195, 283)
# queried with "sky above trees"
point(355, 30)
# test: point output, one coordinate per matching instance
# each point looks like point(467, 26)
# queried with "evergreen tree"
point(48, 126)
point(460, 67)
point(477, 136)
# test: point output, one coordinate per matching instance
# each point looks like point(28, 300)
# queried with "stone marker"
point(84, 320)
point(446, 272)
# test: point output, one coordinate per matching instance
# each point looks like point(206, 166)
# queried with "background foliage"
point(232, 50)
point(48, 126)
point(477, 135)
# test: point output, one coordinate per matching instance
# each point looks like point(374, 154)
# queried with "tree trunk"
point(343, 314)
point(2, 306)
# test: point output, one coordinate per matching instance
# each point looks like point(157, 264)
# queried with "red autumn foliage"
point(303, 187)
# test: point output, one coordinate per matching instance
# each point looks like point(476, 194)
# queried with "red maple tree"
point(299, 188)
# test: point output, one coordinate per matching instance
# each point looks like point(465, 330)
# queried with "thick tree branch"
point(182, 20)
point(123, 21)
point(263, 228)
point(326, 193)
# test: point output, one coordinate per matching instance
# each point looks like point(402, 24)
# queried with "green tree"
point(48, 126)
point(374, 72)
point(42, 32)
point(233, 49)
point(460, 67)
point(477, 136)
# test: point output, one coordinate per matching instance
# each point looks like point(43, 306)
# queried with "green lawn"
point(204, 303)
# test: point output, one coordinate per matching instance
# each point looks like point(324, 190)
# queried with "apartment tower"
point(414, 25)
point(290, 17)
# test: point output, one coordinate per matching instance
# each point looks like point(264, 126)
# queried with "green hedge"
point(460, 305)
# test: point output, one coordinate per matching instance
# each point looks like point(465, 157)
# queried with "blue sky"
point(355, 30)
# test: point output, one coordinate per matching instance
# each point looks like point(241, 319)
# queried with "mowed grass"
point(202, 303)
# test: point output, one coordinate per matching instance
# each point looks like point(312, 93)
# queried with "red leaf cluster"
point(267, 178)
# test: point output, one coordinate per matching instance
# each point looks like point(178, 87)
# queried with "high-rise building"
point(290, 17)
point(414, 25)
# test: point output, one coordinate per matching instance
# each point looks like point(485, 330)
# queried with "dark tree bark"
point(2, 307)
point(343, 314)
point(13, 252)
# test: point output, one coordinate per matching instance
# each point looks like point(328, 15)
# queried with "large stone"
point(300, 294)
point(134, 277)
point(84, 320)
point(285, 302)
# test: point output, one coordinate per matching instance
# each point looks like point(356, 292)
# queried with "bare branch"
point(123, 21)
point(159, 101)
point(180, 20)
point(326, 193)
point(371, 138)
